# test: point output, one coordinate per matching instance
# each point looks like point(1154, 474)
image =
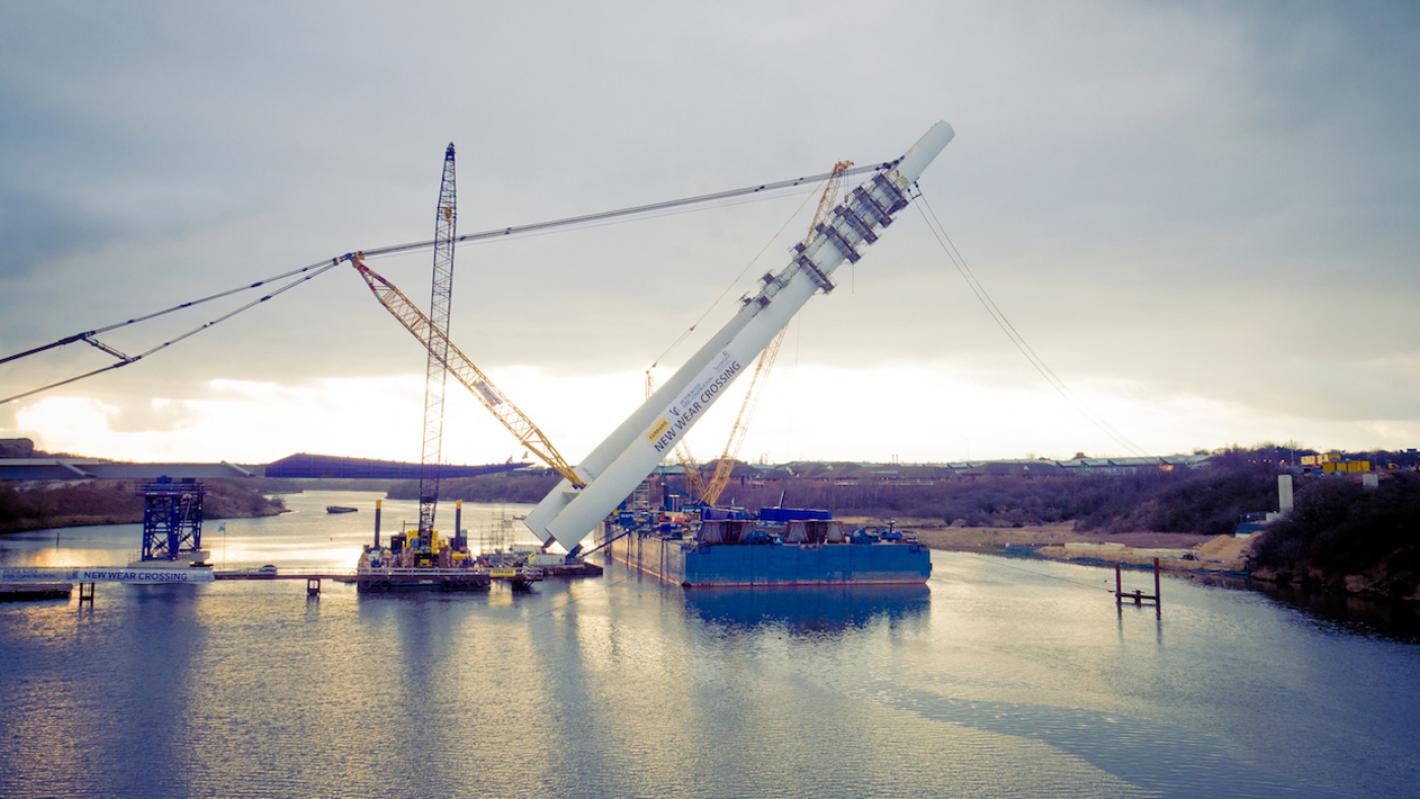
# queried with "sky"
point(1200, 216)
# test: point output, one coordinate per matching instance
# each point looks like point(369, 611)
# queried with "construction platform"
point(580, 568)
point(19, 592)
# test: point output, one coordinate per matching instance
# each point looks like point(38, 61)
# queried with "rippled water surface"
point(1000, 677)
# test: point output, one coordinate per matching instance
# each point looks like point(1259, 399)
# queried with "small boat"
point(340, 509)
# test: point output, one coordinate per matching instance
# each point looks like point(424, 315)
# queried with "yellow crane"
point(463, 370)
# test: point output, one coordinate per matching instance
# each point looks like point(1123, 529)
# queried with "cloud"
point(1213, 201)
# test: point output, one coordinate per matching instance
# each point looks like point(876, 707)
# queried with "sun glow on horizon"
point(806, 412)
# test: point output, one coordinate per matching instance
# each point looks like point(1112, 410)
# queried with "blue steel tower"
point(172, 518)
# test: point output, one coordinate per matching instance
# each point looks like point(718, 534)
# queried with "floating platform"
point(692, 563)
point(340, 509)
point(25, 592)
point(442, 580)
point(579, 569)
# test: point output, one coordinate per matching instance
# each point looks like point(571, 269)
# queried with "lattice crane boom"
point(435, 374)
point(464, 371)
point(694, 480)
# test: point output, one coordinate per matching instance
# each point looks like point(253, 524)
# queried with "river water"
point(1000, 677)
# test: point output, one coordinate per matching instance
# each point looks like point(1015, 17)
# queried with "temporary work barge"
point(443, 564)
point(776, 547)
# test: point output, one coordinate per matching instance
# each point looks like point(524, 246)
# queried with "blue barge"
point(780, 547)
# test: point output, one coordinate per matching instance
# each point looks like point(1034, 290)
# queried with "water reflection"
point(1021, 680)
point(1129, 610)
point(1161, 758)
point(157, 690)
point(1349, 613)
point(825, 611)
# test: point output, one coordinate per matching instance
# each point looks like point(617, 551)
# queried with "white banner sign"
point(702, 392)
point(104, 574)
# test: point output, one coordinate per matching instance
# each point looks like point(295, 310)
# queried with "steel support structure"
point(172, 518)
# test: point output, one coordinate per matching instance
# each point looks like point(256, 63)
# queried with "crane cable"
point(633, 210)
point(734, 282)
point(668, 208)
point(125, 360)
point(89, 335)
point(939, 232)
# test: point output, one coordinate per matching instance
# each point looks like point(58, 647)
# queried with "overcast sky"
point(1202, 216)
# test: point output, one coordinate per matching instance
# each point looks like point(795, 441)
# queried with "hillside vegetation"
point(70, 504)
point(1344, 537)
point(1340, 535)
point(1205, 501)
point(525, 486)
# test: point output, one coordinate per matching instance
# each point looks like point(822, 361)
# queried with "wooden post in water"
point(1158, 601)
point(1138, 596)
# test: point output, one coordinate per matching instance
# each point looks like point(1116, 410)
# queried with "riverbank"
point(1346, 537)
point(1177, 552)
point(50, 505)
